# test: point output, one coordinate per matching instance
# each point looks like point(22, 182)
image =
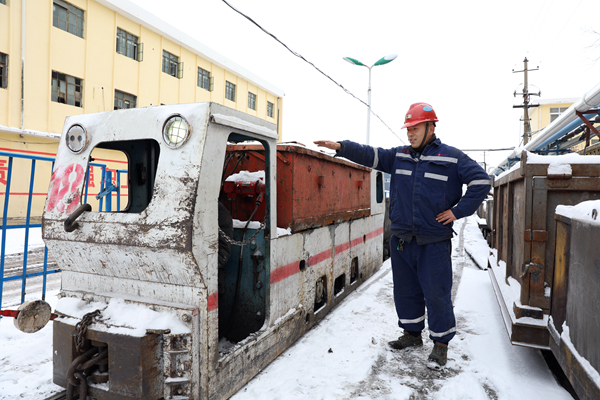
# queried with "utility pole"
point(526, 105)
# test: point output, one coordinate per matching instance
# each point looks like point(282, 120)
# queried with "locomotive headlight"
point(176, 131)
point(77, 138)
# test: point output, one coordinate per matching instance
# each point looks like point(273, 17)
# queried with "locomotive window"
point(120, 176)
point(379, 187)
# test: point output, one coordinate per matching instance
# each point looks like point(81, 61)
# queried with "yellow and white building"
point(60, 58)
point(548, 111)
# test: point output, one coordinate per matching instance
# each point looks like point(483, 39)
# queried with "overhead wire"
point(564, 25)
point(311, 64)
point(533, 27)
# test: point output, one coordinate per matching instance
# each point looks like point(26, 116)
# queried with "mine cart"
point(575, 310)
point(524, 229)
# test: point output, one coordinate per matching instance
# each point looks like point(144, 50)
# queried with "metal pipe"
point(562, 125)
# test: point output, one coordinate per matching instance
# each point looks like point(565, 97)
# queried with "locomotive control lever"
point(70, 224)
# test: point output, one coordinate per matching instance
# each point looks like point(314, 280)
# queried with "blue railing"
point(6, 227)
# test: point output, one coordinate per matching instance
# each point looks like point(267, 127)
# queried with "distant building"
point(547, 112)
point(60, 58)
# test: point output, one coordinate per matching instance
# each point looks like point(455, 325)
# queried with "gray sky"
point(456, 55)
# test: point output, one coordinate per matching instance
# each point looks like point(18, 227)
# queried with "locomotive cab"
point(157, 249)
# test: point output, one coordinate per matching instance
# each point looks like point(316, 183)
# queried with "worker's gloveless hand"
point(328, 144)
point(445, 217)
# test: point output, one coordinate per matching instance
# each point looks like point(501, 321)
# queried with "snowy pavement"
point(345, 356)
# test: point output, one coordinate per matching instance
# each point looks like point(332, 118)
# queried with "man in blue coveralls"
point(425, 199)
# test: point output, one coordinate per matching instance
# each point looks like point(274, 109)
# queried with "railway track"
point(13, 263)
point(57, 396)
point(13, 266)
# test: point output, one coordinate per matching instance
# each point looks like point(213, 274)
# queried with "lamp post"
point(381, 61)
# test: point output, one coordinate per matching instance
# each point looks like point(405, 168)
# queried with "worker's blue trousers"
point(423, 278)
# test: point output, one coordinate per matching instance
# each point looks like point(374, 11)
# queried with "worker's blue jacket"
point(424, 185)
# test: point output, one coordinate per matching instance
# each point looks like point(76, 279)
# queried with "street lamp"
point(381, 61)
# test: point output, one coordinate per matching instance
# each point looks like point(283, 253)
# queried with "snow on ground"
point(482, 362)
point(345, 356)
point(475, 245)
point(15, 240)
point(26, 360)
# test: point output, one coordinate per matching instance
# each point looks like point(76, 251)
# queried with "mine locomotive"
point(228, 247)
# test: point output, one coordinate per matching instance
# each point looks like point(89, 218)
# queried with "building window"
point(252, 101)
point(269, 109)
point(556, 111)
point(3, 70)
point(229, 91)
point(68, 18)
point(3, 2)
point(66, 89)
point(124, 100)
point(127, 44)
point(205, 81)
point(171, 65)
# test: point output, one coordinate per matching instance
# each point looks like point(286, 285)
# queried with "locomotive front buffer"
point(188, 288)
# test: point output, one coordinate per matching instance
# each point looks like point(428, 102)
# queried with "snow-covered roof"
point(155, 24)
point(569, 100)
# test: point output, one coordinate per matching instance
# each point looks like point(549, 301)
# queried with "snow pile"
point(559, 169)
point(555, 163)
point(586, 211)
point(121, 317)
point(245, 176)
point(572, 158)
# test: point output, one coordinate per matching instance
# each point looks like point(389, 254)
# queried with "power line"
point(533, 27)
point(565, 24)
point(311, 64)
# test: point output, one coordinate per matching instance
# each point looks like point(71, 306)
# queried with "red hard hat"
point(417, 113)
